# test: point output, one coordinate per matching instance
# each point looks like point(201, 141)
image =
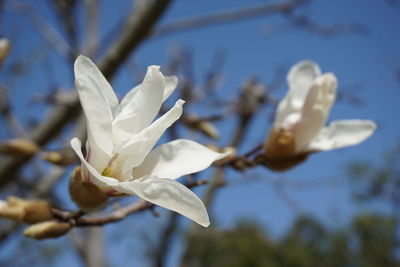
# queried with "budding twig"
point(78, 218)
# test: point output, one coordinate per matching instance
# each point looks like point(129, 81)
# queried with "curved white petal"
point(128, 98)
point(137, 148)
point(95, 177)
point(315, 110)
point(285, 115)
point(171, 82)
point(98, 117)
point(175, 159)
point(88, 73)
point(342, 133)
point(96, 157)
point(300, 78)
point(168, 194)
point(139, 108)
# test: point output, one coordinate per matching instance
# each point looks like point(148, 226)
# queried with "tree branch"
point(228, 16)
point(136, 30)
point(77, 219)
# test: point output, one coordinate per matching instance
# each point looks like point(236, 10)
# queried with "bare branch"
point(325, 31)
point(77, 219)
point(65, 11)
point(94, 248)
point(6, 111)
point(138, 27)
point(160, 253)
point(49, 33)
point(228, 16)
point(91, 27)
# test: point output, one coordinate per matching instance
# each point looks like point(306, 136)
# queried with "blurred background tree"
point(370, 240)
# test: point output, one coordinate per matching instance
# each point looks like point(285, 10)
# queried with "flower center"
point(112, 169)
point(280, 144)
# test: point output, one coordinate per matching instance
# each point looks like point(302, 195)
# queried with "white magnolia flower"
point(301, 115)
point(121, 136)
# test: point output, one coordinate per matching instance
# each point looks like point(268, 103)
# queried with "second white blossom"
point(301, 115)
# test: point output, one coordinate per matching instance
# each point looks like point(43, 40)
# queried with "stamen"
point(112, 160)
point(109, 170)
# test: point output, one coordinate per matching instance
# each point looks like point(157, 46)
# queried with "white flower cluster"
point(120, 158)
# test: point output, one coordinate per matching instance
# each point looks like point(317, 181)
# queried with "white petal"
point(285, 112)
point(98, 117)
point(140, 145)
point(342, 133)
point(168, 194)
point(95, 177)
point(96, 157)
point(171, 82)
point(175, 159)
point(140, 106)
point(88, 73)
point(300, 78)
point(316, 109)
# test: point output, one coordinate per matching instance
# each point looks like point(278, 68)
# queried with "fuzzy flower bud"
point(280, 151)
point(61, 158)
point(27, 211)
point(19, 147)
point(84, 193)
point(203, 126)
point(48, 229)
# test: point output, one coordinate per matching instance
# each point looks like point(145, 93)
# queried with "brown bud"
point(5, 48)
point(19, 147)
point(201, 125)
point(48, 229)
point(280, 143)
point(14, 213)
point(282, 164)
point(61, 158)
point(27, 211)
point(208, 129)
point(280, 151)
point(85, 194)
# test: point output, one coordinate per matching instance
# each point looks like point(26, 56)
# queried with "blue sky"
point(254, 47)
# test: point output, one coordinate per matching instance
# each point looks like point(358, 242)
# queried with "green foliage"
point(376, 239)
point(369, 241)
point(243, 246)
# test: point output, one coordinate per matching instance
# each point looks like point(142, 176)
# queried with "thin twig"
point(325, 31)
point(49, 33)
point(228, 16)
point(78, 218)
point(91, 27)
